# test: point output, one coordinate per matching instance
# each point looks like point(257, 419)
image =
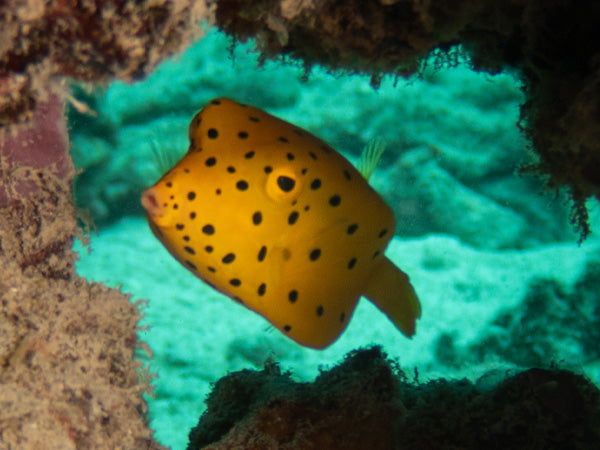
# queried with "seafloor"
point(502, 280)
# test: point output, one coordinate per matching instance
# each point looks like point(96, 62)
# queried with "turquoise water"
point(502, 282)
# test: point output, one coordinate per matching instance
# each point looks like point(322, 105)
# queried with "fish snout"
point(151, 204)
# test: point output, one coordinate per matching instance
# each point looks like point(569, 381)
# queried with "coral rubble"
point(366, 403)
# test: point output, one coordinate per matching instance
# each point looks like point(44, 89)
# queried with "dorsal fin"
point(163, 158)
point(370, 157)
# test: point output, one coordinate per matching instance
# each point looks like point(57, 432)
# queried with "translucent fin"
point(390, 290)
point(370, 157)
point(163, 159)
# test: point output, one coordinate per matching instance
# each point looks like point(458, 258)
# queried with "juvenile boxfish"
point(277, 220)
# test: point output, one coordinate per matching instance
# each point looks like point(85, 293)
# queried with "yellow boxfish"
point(274, 218)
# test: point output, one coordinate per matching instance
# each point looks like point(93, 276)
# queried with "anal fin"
point(390, 290)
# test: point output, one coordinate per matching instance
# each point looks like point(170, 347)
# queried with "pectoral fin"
point(390, 290)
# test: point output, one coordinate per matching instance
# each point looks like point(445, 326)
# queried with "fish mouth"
point(151, 204)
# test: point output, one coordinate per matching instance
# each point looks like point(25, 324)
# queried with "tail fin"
point(390, 290)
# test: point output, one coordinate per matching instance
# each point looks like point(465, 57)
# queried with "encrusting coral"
point(67, 374)
point(367, 403)
point(90, 41)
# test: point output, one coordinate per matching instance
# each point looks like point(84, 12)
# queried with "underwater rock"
point(444, 205)
point(367, 402)
point(87, 41)
point(68, 379)
point(550, 320)
point(354, 406)
point(67, 375)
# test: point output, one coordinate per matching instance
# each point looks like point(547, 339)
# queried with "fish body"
point(276, 219)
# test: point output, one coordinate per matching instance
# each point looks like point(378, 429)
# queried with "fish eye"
point(284, 184)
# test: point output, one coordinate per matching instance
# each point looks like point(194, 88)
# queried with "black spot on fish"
point(287, 328)
point(376, 254)
point(351, 263)
point(293, 296)
point(208, 249)
point(169, 184)
point(191, 265)
point(210, 161)
point(175, 206)
point(319, 311)
point(231, 169)
point(335, 200)
point(262, 253)
point(282, 139)
point(191, 195)
point(212, 133)
point(268, 169)
point(186, 238)
point(249, 155)
point(316, 184)
point(342, 317)
point(208, 229)
point(211, 269)
point(190, 250)
point(293, 217)
point(228, 258)
point(253, 119)
point(243, 135)
point(262, 289)
point(347, 175)
point(314, 254)
point(290, 156)
point(216, 102)
point(179, 226)
point(352, 228)
point(192, 215)
point(312, 155)
point(382, 233)
point(242, 185)
point(257, 218)
point(235, 282)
